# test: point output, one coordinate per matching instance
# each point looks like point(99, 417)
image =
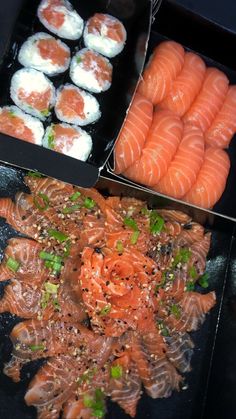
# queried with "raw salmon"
point(50, 49)
point(211, 180)
point(113, 28)
point(184, 168)
point(53, 16)
point(161, 144)
point(209, 100)
point(186, 86)
point(162, 69)
point(133, 134)
point(180, 351)
point(13, 125)
point(40, 101)
point(223, 126)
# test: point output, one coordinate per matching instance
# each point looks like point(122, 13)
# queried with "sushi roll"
point(15, 123)
point(59, 17)
point(33, 92)
point(68, 139)
point(45, 53)
point(76, 106)
point(105, 34)
point(91, 71)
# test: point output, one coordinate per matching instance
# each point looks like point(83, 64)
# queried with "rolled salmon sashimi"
point(223, 126)
point(186, 86)
point(162, 142)
point(184, 168)
point(162, 69)
point(211, 180)
point(133, 134)
point(209, 100)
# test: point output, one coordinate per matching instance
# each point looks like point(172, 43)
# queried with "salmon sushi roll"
point(68, 139)
point(91, 71)
point(45, 53)
point(105, 34)
point(76, 106)
point(59, 17)
point(15, 123)
point(33, 92)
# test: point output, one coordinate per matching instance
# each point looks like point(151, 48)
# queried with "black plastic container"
point(114, 102)
point(217, 46)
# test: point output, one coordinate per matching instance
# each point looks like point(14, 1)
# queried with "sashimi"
point(209, 100)
point(162, 69)
point(186, 86)
point(161, 144)
point(184, 168)
point(211, 180)
point(133, 134)
point(223, 126)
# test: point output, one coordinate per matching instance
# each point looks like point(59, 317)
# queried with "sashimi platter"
point(109, 299)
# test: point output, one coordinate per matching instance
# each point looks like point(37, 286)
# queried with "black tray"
point(216, 45)
point(114, 102)
point(188, 404)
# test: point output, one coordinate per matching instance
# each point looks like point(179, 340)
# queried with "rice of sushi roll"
point(68, 139)
point(33, 92)
point(15, 123)
point(45, 53)
point(59, 17)
point(76, 106)
point(91, 71)
point(105, 34)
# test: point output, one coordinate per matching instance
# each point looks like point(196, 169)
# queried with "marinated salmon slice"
point(50, 49)
point(180, 351)
point(161, 144)
point(209, 100)
point(162, 69)
point(21, 299)
point(133, 134)
point(186, 86)
point(185, 166)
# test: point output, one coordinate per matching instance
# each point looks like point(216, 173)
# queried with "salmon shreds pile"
point(181, 118)
point(106, 288)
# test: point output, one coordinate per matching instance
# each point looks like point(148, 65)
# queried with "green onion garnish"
point(144, 211)
point(51, 138)
point(134, 237)
point(163, 329)
point(67, 249)
point(75, 196)
point(48, 256)
point(95, 403)
point(78, 60)
point(204, 280)
point(105, 310)
point(190, 286)
point(182, 256)
point(70, 210)
point(44, 300)
point(175, 310)
point(89, 203)
point(12, 113)
point(39, 347)
point(119, 246)
point(192, 272)
point(45, 112)
point(34, 174)
point(61, 237)
point(45, 200)
point(12, 264)
point(116, 371)
point(87, 376)
point(156, 222)
point(51, 288)
point(130, 222)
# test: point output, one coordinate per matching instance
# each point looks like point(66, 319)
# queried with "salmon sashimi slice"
point(133, 133)
point(211, 180)
point(186, 86)
point(52, 50)
point(161, 144)
point(162, 69)
point(185, 166)
point(13, 125)
point(174, 215)
point(199, 251)
point(209, 100)
point(191, 232)
point(180, 351)
point(21, 299)
point(223, 126)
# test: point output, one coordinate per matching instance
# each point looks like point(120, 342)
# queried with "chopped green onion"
point(163, 329)
point(175, 310)
point(105, 310)
point(204, 280)
point(12, 264)
point(130, 222)
point(75, 196)
point(88, 401)
point(39, 347)
point(190, 286)
point(47, 256)
point(95, 403)
point(51, 288)
point(70, 210)
point(182, 256)
point(51, 138)
point(44, 300)
point(192, 272)
point(12, 113)
point(89, 203)
point(61, 237)
point(78, 60)
point(119, 246)
point(144, 211)
point(34, 174)
point(45, 112)
point(44, 198)
point(116, 371)
point(67, 249)
point(56, 304)
point(134, 237)
point(156, 222)
point(87, 376)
